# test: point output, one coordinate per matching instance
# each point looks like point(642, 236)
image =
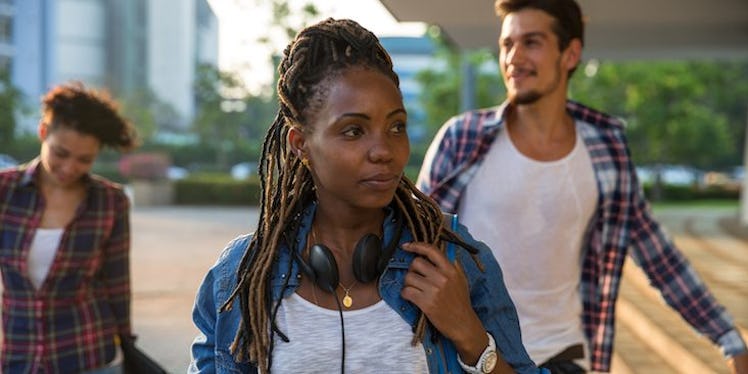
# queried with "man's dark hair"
point(568, 23)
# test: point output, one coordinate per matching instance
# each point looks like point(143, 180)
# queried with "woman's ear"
point(296, 141)
point(42, 131)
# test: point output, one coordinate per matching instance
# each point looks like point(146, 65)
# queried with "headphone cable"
point(342, 333)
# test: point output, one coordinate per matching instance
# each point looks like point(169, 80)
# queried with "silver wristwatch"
point(486, 361)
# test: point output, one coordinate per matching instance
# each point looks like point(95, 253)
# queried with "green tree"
point(148, 113)
point(674, 110)
point(677, 112)
point(11, 103)
point(287, 21)
point(229, 119)
point(442, 83)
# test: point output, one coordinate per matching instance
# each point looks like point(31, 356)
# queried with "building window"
point(6, 29)
point(5, 64)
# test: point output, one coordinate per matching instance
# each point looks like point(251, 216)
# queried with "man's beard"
point(525, 98)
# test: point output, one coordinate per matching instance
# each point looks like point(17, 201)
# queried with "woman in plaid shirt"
point(65, 243)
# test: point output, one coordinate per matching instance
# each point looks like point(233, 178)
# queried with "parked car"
point(176, 173)
point(7, 162)
point(675, 175)
point(243, 170)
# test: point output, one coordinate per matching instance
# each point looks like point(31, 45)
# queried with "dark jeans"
point(563, 363)
point(563, 367)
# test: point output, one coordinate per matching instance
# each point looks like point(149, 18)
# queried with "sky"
point(243, 22)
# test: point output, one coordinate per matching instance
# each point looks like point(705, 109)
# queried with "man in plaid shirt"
point(549, 185)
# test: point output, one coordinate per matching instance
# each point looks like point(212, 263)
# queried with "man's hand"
point(739, 364)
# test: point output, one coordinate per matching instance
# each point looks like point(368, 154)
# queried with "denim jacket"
point(490, 299)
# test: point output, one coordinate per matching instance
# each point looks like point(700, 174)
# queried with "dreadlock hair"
point(317, 53)
point(91, 112)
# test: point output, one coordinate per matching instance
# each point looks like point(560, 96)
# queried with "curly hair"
point(90, 112)
point(318, 54)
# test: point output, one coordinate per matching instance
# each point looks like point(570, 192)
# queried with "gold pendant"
point(347, 300)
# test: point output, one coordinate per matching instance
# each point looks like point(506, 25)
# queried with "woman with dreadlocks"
point(332, 186)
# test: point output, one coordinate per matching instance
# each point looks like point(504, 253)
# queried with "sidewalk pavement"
point(173, 247)
point(172, 250)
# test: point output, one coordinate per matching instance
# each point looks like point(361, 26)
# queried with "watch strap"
point(479, 366)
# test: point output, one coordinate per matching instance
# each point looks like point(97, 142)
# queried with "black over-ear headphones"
point(369, 260)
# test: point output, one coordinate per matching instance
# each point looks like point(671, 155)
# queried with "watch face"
point(489, 363)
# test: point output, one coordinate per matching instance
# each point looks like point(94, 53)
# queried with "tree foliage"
point(228, 116)
point(442, 84)
point(231, 119)
point(149, 113)
point(684, 112)
point(10, 104)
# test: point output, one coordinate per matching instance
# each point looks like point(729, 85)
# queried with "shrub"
point(213, 189)
point(684, 193)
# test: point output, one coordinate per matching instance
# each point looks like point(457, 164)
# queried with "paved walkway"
point(174, 246)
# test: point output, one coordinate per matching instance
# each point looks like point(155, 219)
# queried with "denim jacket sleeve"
point(210, 350)
point(494, 306)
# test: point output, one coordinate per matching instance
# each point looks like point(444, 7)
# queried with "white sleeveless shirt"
point(42, 253)
point(533, 216)
point(377, 340)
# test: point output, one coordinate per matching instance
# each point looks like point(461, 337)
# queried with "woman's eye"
point(399, 127)
point(352, 132)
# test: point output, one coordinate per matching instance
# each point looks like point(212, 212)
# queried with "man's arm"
point(672, 274)
point(738, 364)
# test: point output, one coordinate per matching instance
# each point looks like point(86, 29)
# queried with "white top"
point(42, 254)
point(378, 340)
point(533, 215)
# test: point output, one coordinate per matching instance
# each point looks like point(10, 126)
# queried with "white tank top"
point(377, 340)
point(42, 254)
point(533, 216)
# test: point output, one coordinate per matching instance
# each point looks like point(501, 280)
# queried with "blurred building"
point(6, 33)
point(126, 46)
point(411, 55)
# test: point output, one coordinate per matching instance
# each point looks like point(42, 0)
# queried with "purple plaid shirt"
point(69, 324)
point(621, 224)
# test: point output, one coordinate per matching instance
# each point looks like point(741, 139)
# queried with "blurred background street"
point(173, 247)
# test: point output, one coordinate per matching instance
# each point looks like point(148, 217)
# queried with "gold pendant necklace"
point(347, 299)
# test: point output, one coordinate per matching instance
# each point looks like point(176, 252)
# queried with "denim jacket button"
point(429, 351)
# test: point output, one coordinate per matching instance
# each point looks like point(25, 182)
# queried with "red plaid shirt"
point(69, 325)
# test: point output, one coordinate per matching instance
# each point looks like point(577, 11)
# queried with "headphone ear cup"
point(325, 268)
point(389, 250)
point(366, 258)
